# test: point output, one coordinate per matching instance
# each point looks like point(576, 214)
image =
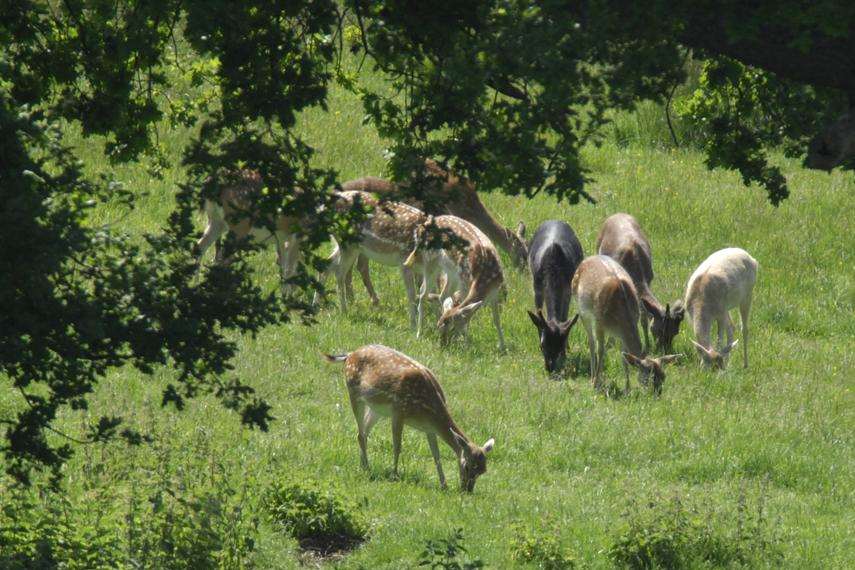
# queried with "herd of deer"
point(454, 248)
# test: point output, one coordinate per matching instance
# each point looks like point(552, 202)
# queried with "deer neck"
point(645, 293)
point(452, 441)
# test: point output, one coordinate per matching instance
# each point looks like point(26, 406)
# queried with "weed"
point(542, 549)
point(446, 553)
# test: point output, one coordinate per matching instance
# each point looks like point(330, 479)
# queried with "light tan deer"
point(622, 239)
point(232, 212)
point(723, 281)
point(608, 304)
point(383, 382)
point(472, 273)
point(386, 236)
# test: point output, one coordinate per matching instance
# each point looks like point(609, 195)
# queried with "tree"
point(506, 92)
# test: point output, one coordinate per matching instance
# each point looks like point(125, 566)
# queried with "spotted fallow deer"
point(608, 304)
point(472, 273)
point(232, 211)
point(723, 281)
point(456, 196)
point(383, 382)
point(622, 239)
point(386, 236)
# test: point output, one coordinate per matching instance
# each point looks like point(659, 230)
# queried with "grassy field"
point(568, 462)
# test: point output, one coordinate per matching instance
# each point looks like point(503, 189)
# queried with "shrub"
point(674, 534)
point(445, 553)
point(541, 549)
point(317, 518)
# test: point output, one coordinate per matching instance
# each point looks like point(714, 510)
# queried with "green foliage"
point(448, 554)
point(541, 549)
point(739, 111)
point(673, 533)
point(49, 533)
point(316, 517)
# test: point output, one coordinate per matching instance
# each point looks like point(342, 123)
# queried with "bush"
point(674, 534)
point(542, 549)
point(445, 553)
point(46, 535)
point(317, 518)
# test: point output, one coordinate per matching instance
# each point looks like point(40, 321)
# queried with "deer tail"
point(336, 357)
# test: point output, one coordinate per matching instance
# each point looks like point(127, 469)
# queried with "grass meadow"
point(568, 463)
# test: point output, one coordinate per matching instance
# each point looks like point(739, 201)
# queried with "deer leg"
point(407, 275)
point(625, 370)
point(720, 326)
point(427, 276)
point(215, 228)
point(591, 349)
point(744, 310)
point(362, 267)
point(434, 450)
point(346, 260)
point(397, 432)
point(334, 261)
point(360, 413)
point(644, 321)
point(288, 250)
point(498, 324)
point(728, 323)
point(601, 356)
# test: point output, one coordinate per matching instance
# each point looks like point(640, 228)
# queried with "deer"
point(622, 239)
point(457, 197)
point(553, 256)
point(231, 211)
point(383, 382)
point(724, 280)
point(386, 236)
point(608, 305)
point(472, 273)
point(835, 145)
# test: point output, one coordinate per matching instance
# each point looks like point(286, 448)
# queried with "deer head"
point(455, 317)
point(665, 325)
point(651, 368)
point(715, 358)
point(472, 461)
point(553, 339)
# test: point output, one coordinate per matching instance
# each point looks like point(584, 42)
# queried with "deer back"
point(723, 281)
point(554, 254)
point(390, 224)
point(622, 239)
point(606, 294)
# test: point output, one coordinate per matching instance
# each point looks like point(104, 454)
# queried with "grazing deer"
point(622, 239)
point(553, 256)
point(386, 236)
point(232, 211)
point(457, 197)
point(835, 145)
point(470, 262)
point(723, 281)
point(384, 382)
point(608, 304)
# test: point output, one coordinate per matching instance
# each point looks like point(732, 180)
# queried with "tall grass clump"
point(678, 533)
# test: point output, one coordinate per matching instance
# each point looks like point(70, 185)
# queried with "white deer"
point(383, 382)
point(608, 304)
point(725, 280)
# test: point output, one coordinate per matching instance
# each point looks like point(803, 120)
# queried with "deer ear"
point(668, 358)
point(729, 347)
point(521, 230)
point(567, 325)
point(652, 309)
point(701, 348)
point(488, 446)
point(536, 319)
point(471, 307)
point(631, 359)
point(411, 259)
point(461, 442)
point(677, 311)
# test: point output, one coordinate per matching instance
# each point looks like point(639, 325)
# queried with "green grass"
point(563, 452)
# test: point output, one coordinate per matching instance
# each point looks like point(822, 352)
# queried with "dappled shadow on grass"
point(316, 551)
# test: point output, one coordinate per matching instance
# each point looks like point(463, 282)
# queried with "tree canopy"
point(506, 92)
